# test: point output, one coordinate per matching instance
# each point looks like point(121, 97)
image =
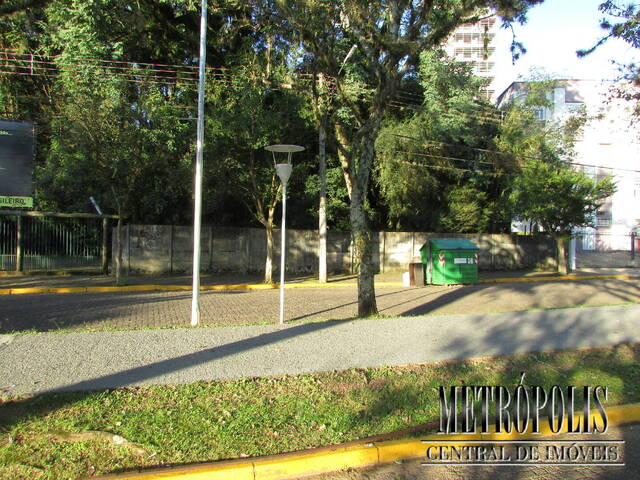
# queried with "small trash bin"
point(416, 274)
point(450, 261)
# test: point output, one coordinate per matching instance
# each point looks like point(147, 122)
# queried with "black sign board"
point(16, 163)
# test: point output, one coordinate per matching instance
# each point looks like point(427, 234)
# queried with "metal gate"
point(596, 250)
point(35, 241)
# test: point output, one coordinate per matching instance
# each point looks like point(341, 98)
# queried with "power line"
point(439, 167)
point(507, 154)
point(30, 64)
point(442, 157)
point(161, 73)
point(605, 168)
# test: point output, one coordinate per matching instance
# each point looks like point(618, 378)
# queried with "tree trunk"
point(119, 242)
point(362, 154)
point(563, 260)
point(362, 253)
point(268, 266)
point(343, 145)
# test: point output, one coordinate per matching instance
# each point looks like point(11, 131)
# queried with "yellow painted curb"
point(263, 286)
point(152, 288)
point(297, 464)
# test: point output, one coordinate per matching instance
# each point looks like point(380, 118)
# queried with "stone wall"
point(168, 249)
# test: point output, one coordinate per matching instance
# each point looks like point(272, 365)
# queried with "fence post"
point(171, 234)
point(572, 253)
point(210, 269)
point(104, 251)
point(19, 244)
point(128, 248)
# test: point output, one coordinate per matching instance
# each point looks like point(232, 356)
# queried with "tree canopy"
point(622, 22)
point(412, 142)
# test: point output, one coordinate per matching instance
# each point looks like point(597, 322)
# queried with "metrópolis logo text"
point(527, 425)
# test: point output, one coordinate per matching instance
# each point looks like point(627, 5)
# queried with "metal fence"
point(35, 241)
point(8, 242)
point(594, 250)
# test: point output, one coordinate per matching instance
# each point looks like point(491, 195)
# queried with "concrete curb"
point(328, 459)
point(262, 286)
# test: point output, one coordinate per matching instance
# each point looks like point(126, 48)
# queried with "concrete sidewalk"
point(37, 363)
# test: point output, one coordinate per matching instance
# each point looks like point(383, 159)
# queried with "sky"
point(554, 31)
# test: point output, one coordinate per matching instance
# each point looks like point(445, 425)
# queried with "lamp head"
point(283, 167)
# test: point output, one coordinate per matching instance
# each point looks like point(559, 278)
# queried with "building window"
point(589, 172)
point(538, 112)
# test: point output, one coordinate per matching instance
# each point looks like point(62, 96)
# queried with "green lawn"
point(71, 435)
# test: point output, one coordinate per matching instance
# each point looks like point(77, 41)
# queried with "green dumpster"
point(450, 261)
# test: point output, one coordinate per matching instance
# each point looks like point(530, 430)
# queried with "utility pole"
point(322, 209)
point(197, 209)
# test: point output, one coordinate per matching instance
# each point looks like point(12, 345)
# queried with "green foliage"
point(557, 197)
point(130, 144)
point(337, 197)
point(110, 138)
point(248, 114)
point(547, 190)
point(469, 210)
point(624, 24)
point(433, 166)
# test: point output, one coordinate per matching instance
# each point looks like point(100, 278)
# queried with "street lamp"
point(284, 172)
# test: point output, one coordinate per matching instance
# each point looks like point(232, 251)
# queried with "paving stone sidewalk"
point(132, 310)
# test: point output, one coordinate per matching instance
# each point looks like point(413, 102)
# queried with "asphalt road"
point(36, 363)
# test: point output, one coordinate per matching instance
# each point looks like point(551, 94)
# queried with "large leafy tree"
point(111, 137)
point(547, 190)
point(559, 199)
point(249, 112)
point(120, 141)
point(388, 38)
point(436, 168)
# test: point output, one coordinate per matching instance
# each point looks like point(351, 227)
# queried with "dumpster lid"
point(451, 244)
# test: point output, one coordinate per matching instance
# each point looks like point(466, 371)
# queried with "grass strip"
point(74, 435)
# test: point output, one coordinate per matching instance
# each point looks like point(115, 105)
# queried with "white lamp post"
point(284, 172)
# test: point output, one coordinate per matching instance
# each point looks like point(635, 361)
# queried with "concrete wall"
point(168, 249)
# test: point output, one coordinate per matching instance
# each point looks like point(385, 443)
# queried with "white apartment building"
point(482, 44)
point(609, 144)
